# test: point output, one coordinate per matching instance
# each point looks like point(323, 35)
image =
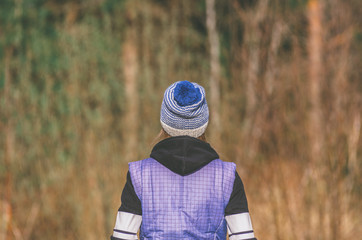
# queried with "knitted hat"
point(184, 109)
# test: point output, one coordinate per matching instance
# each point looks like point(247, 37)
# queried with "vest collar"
point(183, 154)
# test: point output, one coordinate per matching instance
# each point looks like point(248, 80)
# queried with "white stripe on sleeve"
point(127, 225)
point(239, 226)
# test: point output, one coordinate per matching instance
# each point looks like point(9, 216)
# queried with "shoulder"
point(227, 166)
point(140, 163)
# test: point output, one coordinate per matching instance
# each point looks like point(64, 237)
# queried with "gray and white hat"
point(184, 110)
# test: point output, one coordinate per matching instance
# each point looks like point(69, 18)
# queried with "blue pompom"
point(186, 94)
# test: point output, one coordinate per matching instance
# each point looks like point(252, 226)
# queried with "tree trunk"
point(314, 46)
point(251, 58)
point(8, 153)
point(272, 67)
point(315, 78)
point(215, 71)
point(130, 69)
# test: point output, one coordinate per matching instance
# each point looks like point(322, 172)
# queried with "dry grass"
point(289, 200)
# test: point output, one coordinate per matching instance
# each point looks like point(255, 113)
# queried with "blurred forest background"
point(81, 84)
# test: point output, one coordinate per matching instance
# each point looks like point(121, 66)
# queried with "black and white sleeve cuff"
point(127, 225)
point(239, 227)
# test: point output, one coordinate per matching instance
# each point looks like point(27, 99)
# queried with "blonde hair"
point(163, 135)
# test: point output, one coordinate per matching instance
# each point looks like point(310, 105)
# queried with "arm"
point(129, 216)
point(127, 225)
point(237, 213)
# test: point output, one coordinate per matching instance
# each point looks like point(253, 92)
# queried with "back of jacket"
point(183, 207)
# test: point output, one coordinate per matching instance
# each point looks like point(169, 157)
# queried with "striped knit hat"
point(184, 110)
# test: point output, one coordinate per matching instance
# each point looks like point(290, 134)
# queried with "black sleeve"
point(130, 201)
point(237, 202)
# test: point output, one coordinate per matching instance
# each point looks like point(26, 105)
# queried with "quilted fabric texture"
point(183, 207)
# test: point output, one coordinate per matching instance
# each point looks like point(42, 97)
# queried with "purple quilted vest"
point(183, 207)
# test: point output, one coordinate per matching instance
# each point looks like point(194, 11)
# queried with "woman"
point(183, 190)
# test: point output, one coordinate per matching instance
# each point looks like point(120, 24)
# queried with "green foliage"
point(295, 4)
point(2, 81)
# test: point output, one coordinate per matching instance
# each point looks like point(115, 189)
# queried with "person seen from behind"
point(183, 190)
